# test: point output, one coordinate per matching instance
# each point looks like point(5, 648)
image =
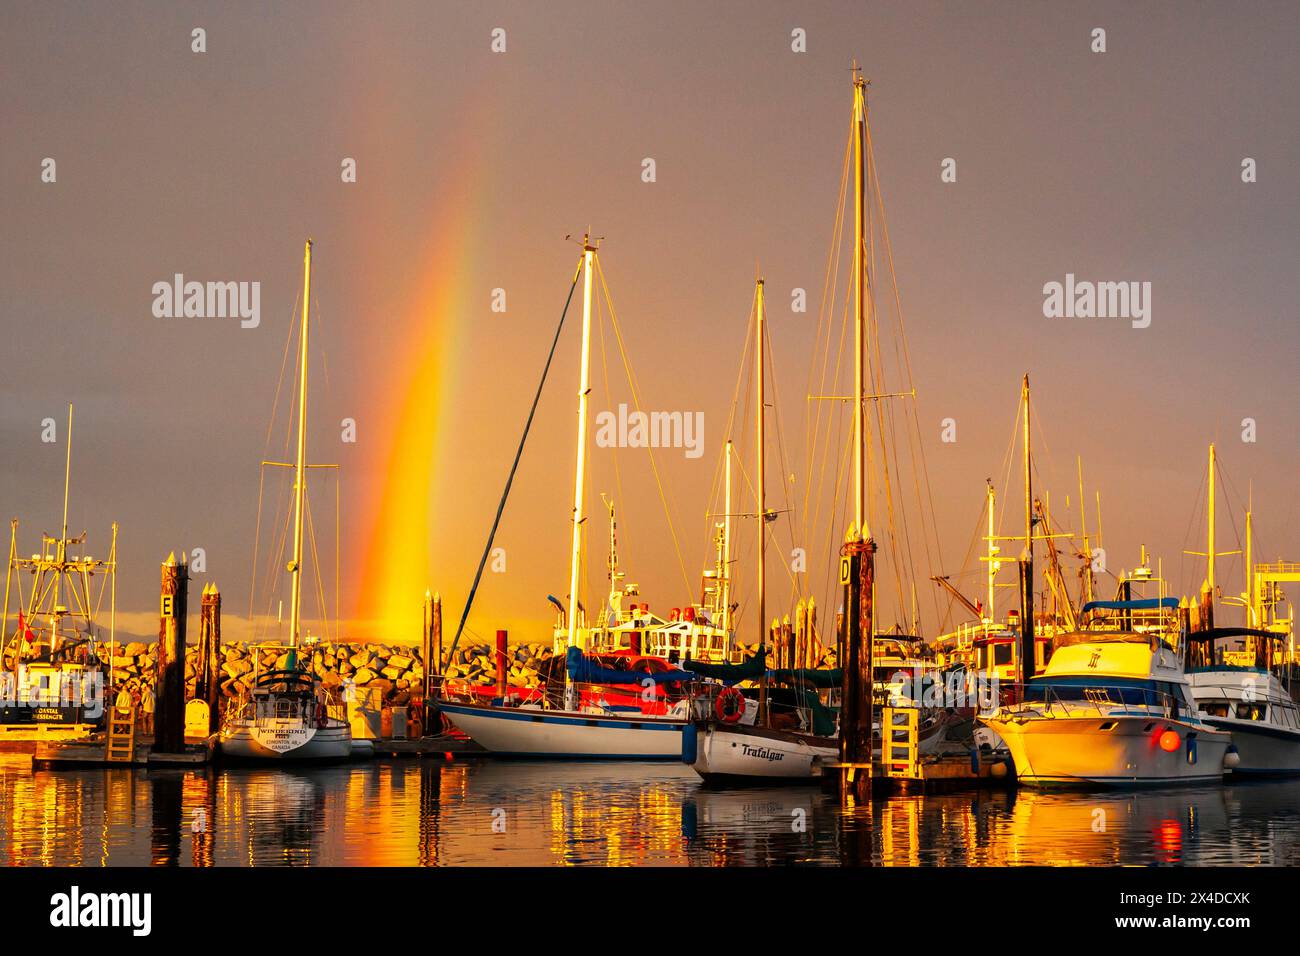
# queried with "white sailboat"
point(287, 716)
point(573, 730)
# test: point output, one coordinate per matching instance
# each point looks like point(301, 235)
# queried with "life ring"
point(730, 705)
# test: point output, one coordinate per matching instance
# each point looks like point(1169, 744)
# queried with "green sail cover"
point(752, 669)
point(818, 677)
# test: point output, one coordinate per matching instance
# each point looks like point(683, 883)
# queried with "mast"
point(990, 609)
point(300, 465)
point(1250, 567)
point(761, 492)
point(1209, 551)
point(860, 303)
point(579, 476)
point(1026, 656)
point(724, 584)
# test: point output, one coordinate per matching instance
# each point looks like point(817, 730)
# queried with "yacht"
point(1238, 692)
point(1113, 708)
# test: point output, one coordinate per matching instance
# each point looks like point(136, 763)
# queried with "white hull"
point(724, 753)
point(1262, 748)
point(286, 739)
point(567, 735)
point(1111, 750)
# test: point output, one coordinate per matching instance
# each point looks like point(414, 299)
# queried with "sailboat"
point(53, 687)
point(287, 715)
point(728, 750)
point(578, 730)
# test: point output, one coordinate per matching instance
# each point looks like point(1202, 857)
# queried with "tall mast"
point(990, 610)
point(579, 476)
point(300, 464)
point(725, 583)
point(1209, 551)
point(1026, 654)
point(1250, 565)
point(1029, 488)
point(860, 304)
point(762, 468)
point(61, 552)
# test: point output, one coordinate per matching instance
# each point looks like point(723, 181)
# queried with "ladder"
point(898, 742)
point(121, 736)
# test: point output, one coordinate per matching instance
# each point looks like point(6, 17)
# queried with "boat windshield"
point(1117, 690)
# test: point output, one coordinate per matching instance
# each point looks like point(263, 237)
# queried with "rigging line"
point(501, 506)
point(786, 472)
point(618, 475)
point(654, 465)
point(257, 537)
point(826, 311)
point(906, 352)
point(284, 362)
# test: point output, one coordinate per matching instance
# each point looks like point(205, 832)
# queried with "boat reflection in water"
point(430, 813)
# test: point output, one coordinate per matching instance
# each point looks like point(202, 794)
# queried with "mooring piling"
point(169, 711)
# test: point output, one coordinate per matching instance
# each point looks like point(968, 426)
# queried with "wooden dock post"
point(208, 680)
point(169, 711)
point(857, 574)
point(501, 664)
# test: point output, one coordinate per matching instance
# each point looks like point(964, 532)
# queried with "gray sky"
point(474, 165)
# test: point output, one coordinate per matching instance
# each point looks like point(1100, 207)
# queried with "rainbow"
point(421, 376)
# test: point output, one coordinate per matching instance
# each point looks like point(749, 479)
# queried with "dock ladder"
point(898, 742)
point(121, 736)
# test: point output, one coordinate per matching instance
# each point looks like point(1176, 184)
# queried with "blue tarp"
point(1144, 604)
point(583, 670)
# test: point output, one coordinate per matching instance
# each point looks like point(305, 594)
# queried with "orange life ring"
point(730, 705)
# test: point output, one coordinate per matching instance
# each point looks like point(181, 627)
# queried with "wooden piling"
point(169, 708)
point(1026, 655)
point(857, 573)
point(208, 675)
point(501, 663)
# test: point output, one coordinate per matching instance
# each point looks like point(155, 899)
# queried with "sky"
point(472, 168)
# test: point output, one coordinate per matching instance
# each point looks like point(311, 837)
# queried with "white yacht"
point(1113, 708)
point(1238, 692)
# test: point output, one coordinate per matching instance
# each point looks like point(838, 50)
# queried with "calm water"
point(428, 813)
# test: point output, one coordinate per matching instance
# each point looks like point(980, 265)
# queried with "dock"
point(441, 747)
point(93, 752)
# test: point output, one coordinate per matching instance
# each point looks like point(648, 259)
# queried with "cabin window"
point(1216, 709)
point(1002, 654)
point(1251, 711)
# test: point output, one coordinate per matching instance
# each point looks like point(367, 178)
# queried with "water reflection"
point(427, 813)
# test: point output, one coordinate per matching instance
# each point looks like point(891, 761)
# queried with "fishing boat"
point(57, 664)
point(1113, 708)
point(287, 715)
point(572, 724)
point(1238, 688)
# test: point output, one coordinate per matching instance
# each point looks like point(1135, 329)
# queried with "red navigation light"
point(1170, 741)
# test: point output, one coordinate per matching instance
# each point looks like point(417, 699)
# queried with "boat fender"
point(322, 716)
point(730, 705)
point(1232, 758)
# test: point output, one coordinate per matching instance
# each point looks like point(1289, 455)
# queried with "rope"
point(501, 506)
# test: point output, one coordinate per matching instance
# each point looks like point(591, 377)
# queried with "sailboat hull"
point(286, 741)
point(565, 735)
point(729, 754)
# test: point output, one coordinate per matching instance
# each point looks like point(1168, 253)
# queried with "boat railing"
point(1104, 700)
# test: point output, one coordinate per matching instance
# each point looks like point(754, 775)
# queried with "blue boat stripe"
point(669, 726)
